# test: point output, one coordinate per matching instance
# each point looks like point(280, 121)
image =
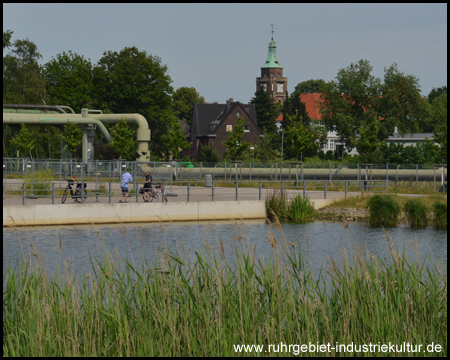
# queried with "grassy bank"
point(204, 305)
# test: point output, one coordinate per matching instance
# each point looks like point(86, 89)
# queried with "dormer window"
point(246, 128)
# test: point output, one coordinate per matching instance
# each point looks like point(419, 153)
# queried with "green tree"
point(265, 150)
point(174, 141)
point(360, 103)
point(24, 141)
point(439, 115)
point(436, 92)
point(7, 38)
point(72, 136)
point(400, 104)
point(299, 138)
point(184, 99)
point(235, 145)
point(23, 82)
point(209, 154)
point(124, 141)
point(310, 86)
point(266, 111)
point(69, 80)
point(368, 143)
point(131, 81)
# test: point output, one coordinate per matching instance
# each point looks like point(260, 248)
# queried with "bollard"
point(53, 192)
point(260, 190)
point(23, 193)
point(237, 190)
point(109, 192)
point(345, 188)
point(188, 190)
point(325, 190)
point(212, 191)
point(304, 189)
point(136, 186)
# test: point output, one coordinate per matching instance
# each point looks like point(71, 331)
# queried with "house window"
point(238, 114)
point(331, 144)
point(229, 128)
point(246, 128)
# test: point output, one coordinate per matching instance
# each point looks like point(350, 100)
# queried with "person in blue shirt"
point(126, 178)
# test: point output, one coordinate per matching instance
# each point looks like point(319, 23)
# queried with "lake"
point(137, 242)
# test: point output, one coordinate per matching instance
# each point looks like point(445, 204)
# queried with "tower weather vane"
point(272, 30)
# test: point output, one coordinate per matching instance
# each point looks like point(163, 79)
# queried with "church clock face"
point(280, 87)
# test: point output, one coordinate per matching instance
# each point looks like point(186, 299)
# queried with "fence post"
point(417, 174)
point(325, 190)
point(136, 186)
point(53, 192)
point(188, 190)
point(23, 193)
point(345, 189)
point(109, 192)
point(260, 190)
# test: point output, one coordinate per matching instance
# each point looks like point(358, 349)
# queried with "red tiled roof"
point(312, 102)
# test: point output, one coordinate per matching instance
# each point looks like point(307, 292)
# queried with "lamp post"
point(282, 143)
point(253, 149)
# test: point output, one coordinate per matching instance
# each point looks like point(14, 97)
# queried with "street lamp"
point(253, 149)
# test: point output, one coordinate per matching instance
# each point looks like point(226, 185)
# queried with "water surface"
point(144, 241)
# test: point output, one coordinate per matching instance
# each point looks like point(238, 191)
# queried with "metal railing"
point(21, 191)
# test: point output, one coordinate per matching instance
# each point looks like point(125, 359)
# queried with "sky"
point(219, 48)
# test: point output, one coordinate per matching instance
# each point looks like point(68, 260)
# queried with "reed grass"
point(277, 204)
point(440, 215)
point(301, 209)
point(384, 210)
point(416, 213)
point(205, 305)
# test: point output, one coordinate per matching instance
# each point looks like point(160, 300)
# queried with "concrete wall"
point(65, 214)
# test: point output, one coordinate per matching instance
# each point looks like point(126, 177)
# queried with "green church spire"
point(272, 61)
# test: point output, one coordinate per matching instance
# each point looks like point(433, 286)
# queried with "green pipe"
point(51, 119)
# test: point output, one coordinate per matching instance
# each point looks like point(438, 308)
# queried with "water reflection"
point(138, 242)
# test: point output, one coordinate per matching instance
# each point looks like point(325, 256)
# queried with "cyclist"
point(126, 178)
point(147, 185)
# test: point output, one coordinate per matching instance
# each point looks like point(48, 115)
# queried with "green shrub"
point(301, 210)
point(383, 210)
point(440, 215)
point(276, 203)
point(416, 213)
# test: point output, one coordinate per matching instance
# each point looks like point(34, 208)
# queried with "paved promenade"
point(179, 194)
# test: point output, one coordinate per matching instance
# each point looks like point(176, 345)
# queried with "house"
point(211, 124)
point(312, 103)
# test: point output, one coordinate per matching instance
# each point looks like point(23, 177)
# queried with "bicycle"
point(152, 194)
point(77, 196)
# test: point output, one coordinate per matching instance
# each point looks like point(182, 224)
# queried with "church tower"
point(272, 75)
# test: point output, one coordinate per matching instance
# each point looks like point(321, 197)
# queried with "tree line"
point(362, 109)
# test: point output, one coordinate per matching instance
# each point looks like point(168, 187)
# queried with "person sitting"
point(147, 185)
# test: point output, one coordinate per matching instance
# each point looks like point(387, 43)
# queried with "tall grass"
point(301, 210)
point(383, 210)
point(277, 204)
point(440, 215)
point(416, 213)
point(203, 306)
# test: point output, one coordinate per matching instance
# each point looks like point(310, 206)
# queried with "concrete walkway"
point(179, 194)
